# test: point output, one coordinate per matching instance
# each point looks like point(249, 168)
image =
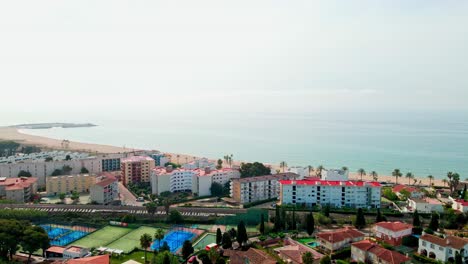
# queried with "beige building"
point(247, 190)
point(80, 183)
point(136, 169)
point(18, 189)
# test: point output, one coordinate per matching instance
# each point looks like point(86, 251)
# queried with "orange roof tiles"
point(386, 255)
point(103, 259)
point(340, 235)
point(394, 226)
point(449, 241)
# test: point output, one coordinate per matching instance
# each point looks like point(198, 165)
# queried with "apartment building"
point(200, 164)
point(111, 162)
point(189, 180)
point(80, 183)
point(334, 175)
point(160, 159)
point(136, 169)
point(356, 194)
point(247, 190)
point(106, 189)
point(18, 189)
point(443, 249)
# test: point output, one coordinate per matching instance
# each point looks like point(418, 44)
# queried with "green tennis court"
point(131, 240)
point(206, 240)
point(102, 237)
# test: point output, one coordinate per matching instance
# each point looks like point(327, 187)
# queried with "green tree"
point(307, 258)
point(459, 256)
point(416, 220)
point(294, 223)
point(262, 225)
point(226, 240)
point(219, 236)
point(33, 239)
point(434, 223)
point(431, 178)
point(325, 260)
point(310, 223)
point(67, 157)
point(145, 243)
point(454, 180)
point(310, 168)
point(75, 196)
point(374, 175)
point(361, 172)
point(213, 255)
point(219, 164)
point(164, 247)
point(241, 233)
point(216, 189)
point(187, 249)
point(228, 159)
point(278, 224)
point(463, 194)
point(62, 196)
point(11, 233)
point(318, 171)
point(47, 159)
point(283, 165)
point(84, 170)
point(151, 208)
point(159, 235)
point(57, 172)
point(326, 210)
point(23, 173)
point(409, 176)
point(175, 217)
point(254, 169)
point(66, 169)
point(380, 217)
point(396, 173)
point(360, 221)
point(166, 202)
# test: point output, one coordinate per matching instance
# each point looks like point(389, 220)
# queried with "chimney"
point(169, 168)
point(207, 170)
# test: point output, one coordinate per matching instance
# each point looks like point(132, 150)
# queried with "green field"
point(102, 237)
point(131, 240)
point(206, 240)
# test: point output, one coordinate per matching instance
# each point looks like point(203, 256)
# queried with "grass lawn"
point(102, 237)
point(136, 256)
point(306, 240)
point(131, 240)
point(207, 239)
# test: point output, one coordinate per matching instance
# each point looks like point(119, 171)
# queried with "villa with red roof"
point(392, 232)
point(369, 252)
point(339, 239)
point(18, 189)
point(102, 259)
point(426, 205)
point(413, 191)
point(311, 192)
point(443, 249)
point(459, 205)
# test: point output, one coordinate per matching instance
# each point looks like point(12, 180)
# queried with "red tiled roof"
point(56, 249)
point(253, 255)
point(340, 235)
point(330, 183)
point(449, 241)
point(103, 259)
point(386, 255)
point(18, 183)
point(108, 180)
point(400, 187)
point(462, 202)
point(394, 226)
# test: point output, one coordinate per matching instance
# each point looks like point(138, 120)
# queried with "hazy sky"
point(78, 57)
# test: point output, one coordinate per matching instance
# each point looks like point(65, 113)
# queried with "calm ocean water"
point(421, 143)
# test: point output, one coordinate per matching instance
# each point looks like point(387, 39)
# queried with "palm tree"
point(318, 171)
point(361, 172)
point(228, 159)
point(374, 175)
point(178, 156)
point(145, 242)
point(159, 235)
point(409, 176)
point(396, 173)
point(344, 168)
point(430, 179)
point(311, 168)
point(283, 165)
point(444, 181)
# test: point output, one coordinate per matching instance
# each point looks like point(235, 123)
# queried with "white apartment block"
point(195, 181)
point(247, 190)
point(357, 194)
point(200, 164)
point(334, 175)
point(303, 172)
point(443, 249)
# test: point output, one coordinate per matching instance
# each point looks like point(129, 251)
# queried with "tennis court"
point(131, 240)
point(204, 241)
point(62, 236)
point(174, 239)
point(102, 237)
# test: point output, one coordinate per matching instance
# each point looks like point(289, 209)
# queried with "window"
point(450, 251)
point(432, 246)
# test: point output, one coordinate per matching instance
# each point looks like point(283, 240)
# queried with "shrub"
point(262, 238)
point(281, 235)
point(273, 235)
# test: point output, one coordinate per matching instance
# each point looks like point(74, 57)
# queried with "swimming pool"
point(313, 244)
point(174, 239)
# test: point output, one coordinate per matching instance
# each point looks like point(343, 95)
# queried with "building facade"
point(425, 206)
point(369, 252)
point(67, 184)
point(356, 194)
point(303, 172)
point(334, 175)
point(106, 189)
point(253, 189)
point(392, 232)
point(443, 249)
point(160, 159)
point(18, 189)
point(136, 169)
point(339, 239)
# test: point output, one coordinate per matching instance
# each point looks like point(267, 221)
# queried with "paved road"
point(127, 197)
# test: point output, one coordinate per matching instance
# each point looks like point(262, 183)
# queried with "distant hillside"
point(51, 125)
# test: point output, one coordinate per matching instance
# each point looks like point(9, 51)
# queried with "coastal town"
point(64, 205)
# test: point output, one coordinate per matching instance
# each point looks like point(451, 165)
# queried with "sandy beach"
point(10, 133)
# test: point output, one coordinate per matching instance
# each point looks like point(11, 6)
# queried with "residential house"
point(459, 205)
point(18, 189)
point(413, 192)
point(251, 256)
point(369, 252)
point(425, 206)
point(443, 249)
point(339, 239)
point(392, 232)
point(292, 252)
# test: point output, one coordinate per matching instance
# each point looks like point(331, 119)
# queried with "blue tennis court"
point(60, 236)
point(174, 239)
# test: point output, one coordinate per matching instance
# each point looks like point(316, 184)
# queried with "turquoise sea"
point(422, 143)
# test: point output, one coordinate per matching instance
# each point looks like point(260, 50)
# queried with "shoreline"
point(12, 133)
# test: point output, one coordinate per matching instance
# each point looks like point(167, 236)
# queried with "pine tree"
point(360, 221)
point(283, 218)
point(277, 219)
point(380, 217)
point(241, 233)
point(262, 225)
point(434, 224)
point(326, 210)
point(310, 223)
point(416, 220)
point(463, 195)
point(226, 241)
point(218, 236)
point(294, 224)
point(187, 249)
